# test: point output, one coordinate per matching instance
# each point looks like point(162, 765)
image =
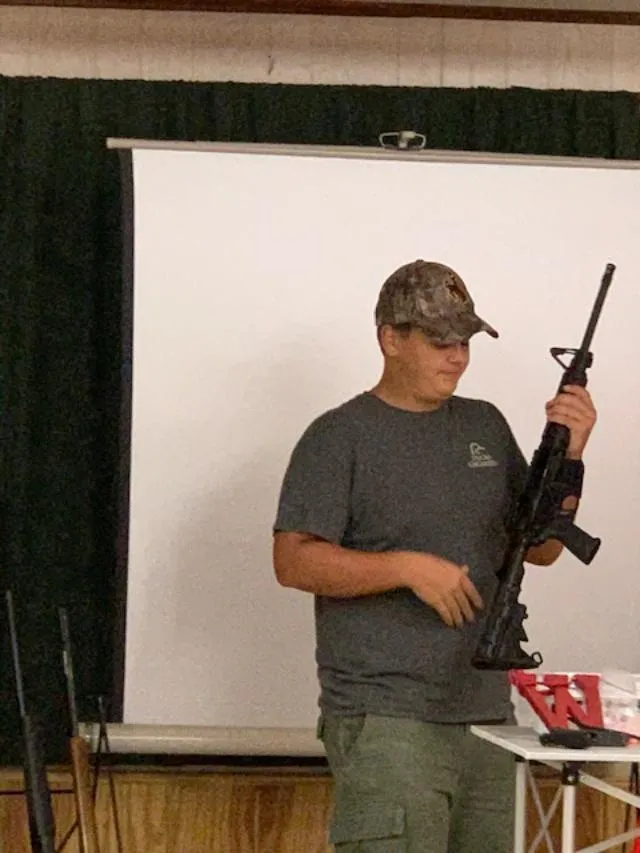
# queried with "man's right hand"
point(304, 561)
point(443, 585)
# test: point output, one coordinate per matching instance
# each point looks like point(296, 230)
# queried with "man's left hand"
point(573, 408)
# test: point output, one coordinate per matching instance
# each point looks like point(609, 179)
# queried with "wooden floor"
point(229, 811)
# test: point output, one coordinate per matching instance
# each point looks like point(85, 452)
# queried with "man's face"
point(428, 369)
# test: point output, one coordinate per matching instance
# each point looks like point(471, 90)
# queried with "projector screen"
point(252, 275)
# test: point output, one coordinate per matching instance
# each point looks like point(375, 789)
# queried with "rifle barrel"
point(597, 308)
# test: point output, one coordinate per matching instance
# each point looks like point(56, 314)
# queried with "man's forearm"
point(323, 568)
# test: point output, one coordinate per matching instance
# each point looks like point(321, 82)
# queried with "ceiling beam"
point(567, 13)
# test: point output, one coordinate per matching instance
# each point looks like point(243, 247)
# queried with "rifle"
point(537, 518)
point(39, 809)
point(80, 752)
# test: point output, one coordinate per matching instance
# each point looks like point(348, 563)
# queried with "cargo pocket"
point(370, 826)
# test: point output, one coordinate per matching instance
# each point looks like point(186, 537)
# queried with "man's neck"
point(403, 398)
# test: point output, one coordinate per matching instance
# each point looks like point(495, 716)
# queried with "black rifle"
point(536, 519)
point(39, 809)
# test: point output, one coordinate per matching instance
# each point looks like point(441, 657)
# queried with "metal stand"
point(570, 764)
point(103, 740)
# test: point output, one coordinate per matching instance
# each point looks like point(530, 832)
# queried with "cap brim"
point(463, 329)
point(485, 327)
point(458, 329)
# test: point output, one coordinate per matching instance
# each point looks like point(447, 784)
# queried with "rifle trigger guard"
point(556, 352)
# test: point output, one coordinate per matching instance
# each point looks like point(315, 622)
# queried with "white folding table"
point(524, 743)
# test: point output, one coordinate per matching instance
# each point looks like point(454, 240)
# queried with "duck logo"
point(480, 457)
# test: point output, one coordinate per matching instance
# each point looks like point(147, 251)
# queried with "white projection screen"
point(253, 273)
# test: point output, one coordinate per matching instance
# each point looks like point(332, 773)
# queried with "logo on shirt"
point(480, 457)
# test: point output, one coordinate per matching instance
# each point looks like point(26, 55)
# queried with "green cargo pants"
point(403, 786)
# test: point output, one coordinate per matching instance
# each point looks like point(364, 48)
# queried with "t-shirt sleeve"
point(316, 491)
point(516, 463)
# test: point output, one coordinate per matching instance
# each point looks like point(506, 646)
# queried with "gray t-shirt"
point(372, 477)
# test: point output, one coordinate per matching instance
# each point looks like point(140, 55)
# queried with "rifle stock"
point(536, 519)
point(80, 754)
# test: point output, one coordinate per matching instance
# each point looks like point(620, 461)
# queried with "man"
point(392, 513)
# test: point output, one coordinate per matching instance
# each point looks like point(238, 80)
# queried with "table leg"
point(570, 777)
point(520, 824)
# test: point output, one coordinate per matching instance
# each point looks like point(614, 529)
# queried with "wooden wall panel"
point(201, 46)
point(609, 12)
point(208, 813)
point(205, 811)
point(293, 817)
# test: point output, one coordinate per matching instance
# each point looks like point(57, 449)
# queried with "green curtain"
point(61, 299)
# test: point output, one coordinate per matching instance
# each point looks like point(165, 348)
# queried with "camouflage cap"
point(432, 297)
